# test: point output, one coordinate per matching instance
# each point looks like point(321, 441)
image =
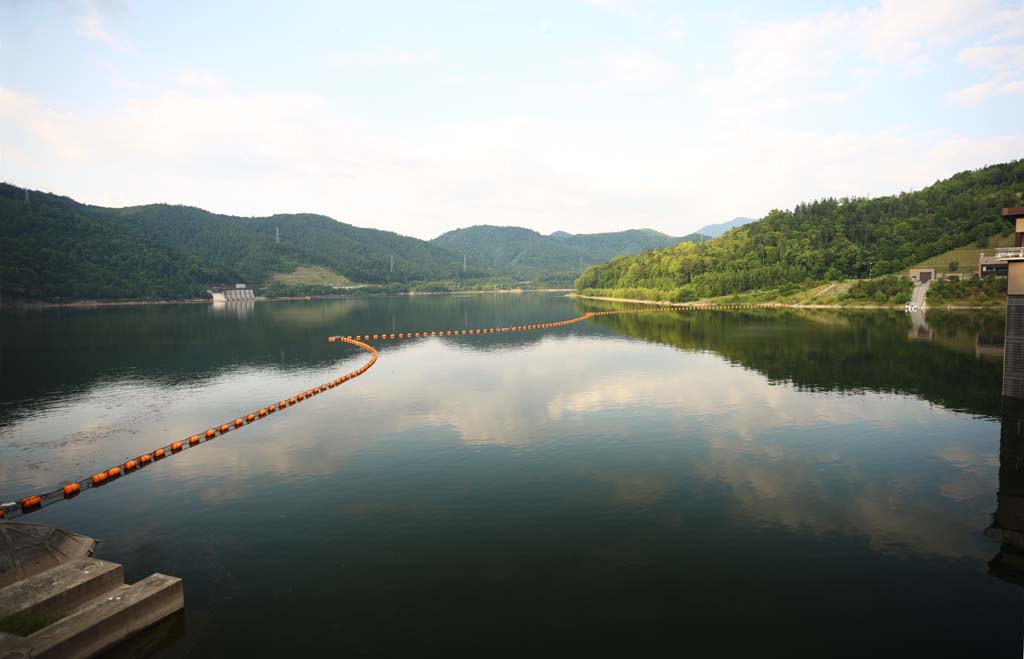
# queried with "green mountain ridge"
point(554, 258)
point(58, 249)
point(828, 239)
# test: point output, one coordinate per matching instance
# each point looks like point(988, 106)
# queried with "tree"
point(954, 266)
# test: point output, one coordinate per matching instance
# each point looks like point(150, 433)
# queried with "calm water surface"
point(771, 482)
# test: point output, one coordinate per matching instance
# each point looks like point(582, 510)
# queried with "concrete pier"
point(56, 601)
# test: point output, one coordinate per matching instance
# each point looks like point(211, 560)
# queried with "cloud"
point(205, 143)
point(94, 26)
point(1001, 64)
point(982, 91)
point(831, 58)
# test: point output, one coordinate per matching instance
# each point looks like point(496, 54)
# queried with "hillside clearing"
point(966, 256)
point(313, 275)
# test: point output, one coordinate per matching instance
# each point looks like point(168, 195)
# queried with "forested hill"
point(249, 245)
point(822, 240)
point(56, 248)
point(51, 249)
point(555, 259)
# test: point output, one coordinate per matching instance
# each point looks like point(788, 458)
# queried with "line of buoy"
point(70, 490)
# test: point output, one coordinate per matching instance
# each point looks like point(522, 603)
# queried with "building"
point(1013, 353)
point(237, 294)
point(922, 274)
point(992, 266)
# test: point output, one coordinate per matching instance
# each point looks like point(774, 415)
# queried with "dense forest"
point(52, 250)
point(552, 260)
point(829, 239)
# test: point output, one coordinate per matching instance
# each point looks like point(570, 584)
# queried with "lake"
point(766, 482)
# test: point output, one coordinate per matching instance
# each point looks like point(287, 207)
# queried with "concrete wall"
point(1015, 285)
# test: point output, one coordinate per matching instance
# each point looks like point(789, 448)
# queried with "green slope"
point(249, 245)
point(830, 239)
point(52, 250)
point(967, 255)
point(553, 259)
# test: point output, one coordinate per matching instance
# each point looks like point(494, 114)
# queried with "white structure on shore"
point(237, 294)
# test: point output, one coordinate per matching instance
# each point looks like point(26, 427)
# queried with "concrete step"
point(110, 619)
point(60, 590)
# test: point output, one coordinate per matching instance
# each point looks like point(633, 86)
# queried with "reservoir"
point(780, 482)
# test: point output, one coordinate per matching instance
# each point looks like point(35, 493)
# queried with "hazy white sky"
point(579, 115)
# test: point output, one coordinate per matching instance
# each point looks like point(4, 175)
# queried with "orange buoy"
point(292, 400)
point(100, 478)
point(210, 433)
point(271, 409)
point(309, 392)
point(71, 489)
point(131, 464)
point(392, 336)
point(261, 413)
point(146, 459)
point(224, 428)
point(113, 472)
point(300, 397)
point(31, 502)
point(193, 440)
point(175, 447)
point(159, 453)
point(249, 418)
point(238, 423)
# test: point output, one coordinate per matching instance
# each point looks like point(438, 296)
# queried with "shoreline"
point(36, 305)
point(784, 305)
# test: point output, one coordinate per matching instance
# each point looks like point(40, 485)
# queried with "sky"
point(576, 115)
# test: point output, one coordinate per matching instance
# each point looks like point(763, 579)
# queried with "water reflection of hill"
point(50, 354)
point(831, 350)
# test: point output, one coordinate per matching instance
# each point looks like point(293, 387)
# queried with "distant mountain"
point(715, 230)
point(553, 259)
